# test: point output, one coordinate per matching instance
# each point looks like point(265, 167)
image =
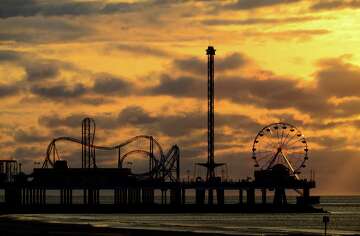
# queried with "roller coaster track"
point(163, 166)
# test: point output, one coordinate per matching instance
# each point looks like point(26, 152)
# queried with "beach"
point(9, 226)
point(344, 213)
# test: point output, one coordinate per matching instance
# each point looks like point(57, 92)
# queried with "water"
point(344, 220)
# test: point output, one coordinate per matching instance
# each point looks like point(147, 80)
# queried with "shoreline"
point(156, 208)
point(17, 227)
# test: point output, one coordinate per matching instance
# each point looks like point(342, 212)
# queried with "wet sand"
point(13, 227)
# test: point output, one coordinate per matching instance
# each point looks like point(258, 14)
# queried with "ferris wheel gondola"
point(280, 143)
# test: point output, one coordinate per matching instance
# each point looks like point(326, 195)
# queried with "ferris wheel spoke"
point(294, 141)
point(292, 137)
point(282, 135)
point(264, 157)
point(277, 134)
point(288, 133)
point(299, 147)
point(265, 151)
point(287, 142)
point(266, 144)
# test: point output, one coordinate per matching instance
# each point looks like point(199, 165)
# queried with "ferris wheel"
point(280, 143)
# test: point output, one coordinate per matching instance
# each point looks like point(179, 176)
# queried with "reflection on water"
point(344, 219)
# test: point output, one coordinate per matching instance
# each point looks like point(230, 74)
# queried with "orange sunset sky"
point(139, 67)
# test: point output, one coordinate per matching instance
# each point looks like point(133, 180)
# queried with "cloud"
point(106, 84)
point(9, 56)
point(198, 66)
point(328, 142)
point(335, 5)
point(41, 71)
point(170, 125)
point(104, 88)
point(30, 136)
point(274, 92)
point(56, 121)
point(7, 90)
point(59, 91)
point(254, 21)
point(332, 71)
point(300, 34)
point(135, 115)
point(179, 87)
point(138, 49)
point(42, 30)
point(28, 8)
point(27, 155)
point(254, 4)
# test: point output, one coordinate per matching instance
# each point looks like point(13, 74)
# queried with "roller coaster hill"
point(279, 153)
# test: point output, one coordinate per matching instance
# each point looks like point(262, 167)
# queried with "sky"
point(139, 67)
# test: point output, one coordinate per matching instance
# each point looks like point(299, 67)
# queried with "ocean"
point(344, 213)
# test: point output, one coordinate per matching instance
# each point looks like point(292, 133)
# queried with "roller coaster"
point(163, 166)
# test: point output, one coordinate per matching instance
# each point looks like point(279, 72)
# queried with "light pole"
point(326, 220)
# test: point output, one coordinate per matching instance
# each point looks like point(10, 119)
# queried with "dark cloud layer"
point(59, 91)
point(7, 90)
point(254, 21)
point(169, 125)
point(275, 92)
point(335, 5)
point(335, 70)
point(38, 72)
point(253, 4)
point(197, 66)
point(43, 79)
point(47, 30)
point(27, 8)
point(31, 136)
point(139, 49)
point(106, 84)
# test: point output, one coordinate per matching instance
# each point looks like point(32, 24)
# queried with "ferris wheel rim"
point(298, 133)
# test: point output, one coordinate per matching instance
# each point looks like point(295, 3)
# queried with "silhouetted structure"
point(136, 192)
point(210, 165)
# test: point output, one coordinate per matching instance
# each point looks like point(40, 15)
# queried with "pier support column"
point(306, 195)
point(91, 196)
point(42, 196)
point(220, 196)
point(120, 196)
point(250, 196)
point(123, 196)
point(210, 196)
point(280, 197)
point(200, 196)
point(12, 196)
point(183, 196)
point(65, 196)
point(263, 196)
point(241, 196)
point(134, 195)
point(175, 196)
point(163, 196)
point(148, 196)
point(116, 196)
point(31, 196)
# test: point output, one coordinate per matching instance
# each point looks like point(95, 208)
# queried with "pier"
point(279, 153)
